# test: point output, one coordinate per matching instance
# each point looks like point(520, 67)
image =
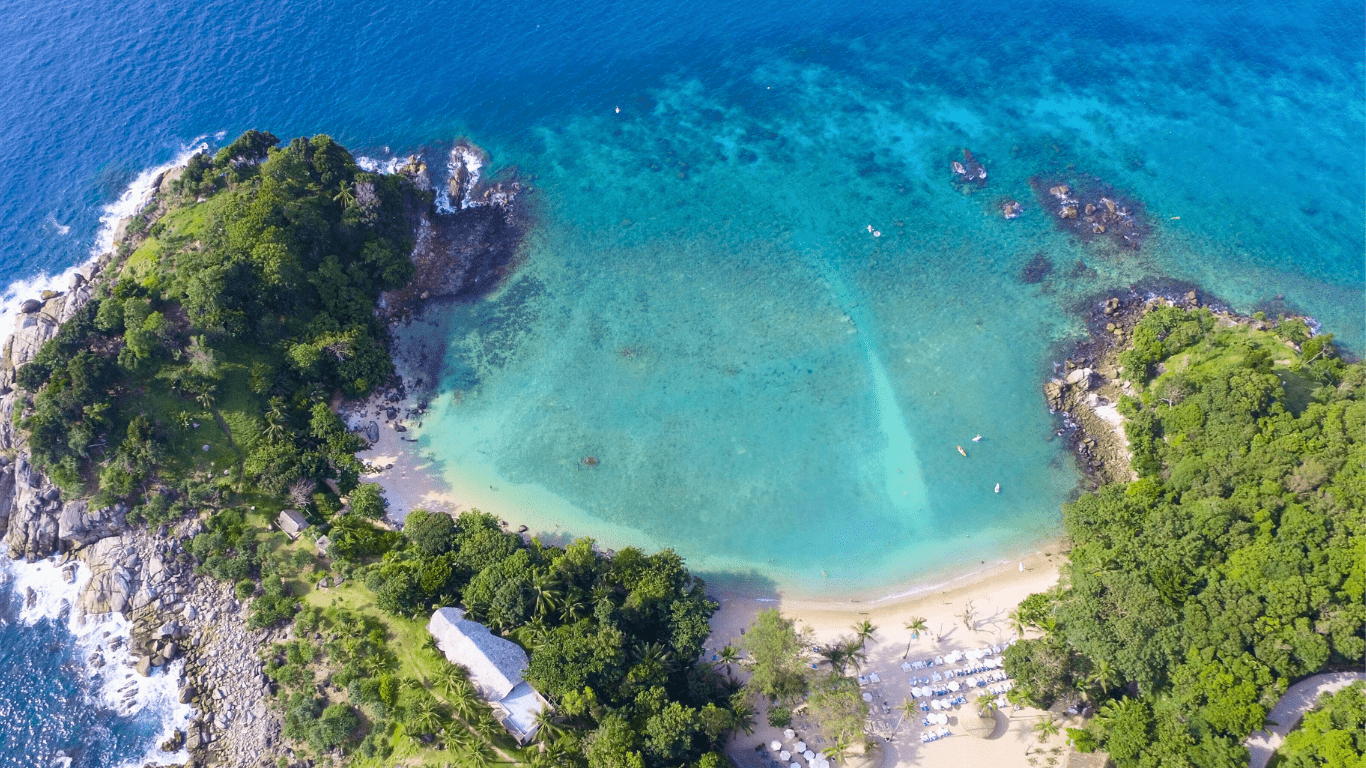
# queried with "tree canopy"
point(1231, 567)
point(242, 300)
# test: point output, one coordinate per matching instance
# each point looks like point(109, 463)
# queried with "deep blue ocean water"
point(769, 388)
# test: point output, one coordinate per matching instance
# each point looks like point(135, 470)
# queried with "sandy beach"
point(992, 592)
point(412, 481)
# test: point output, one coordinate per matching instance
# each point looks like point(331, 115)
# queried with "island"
point(169, 427)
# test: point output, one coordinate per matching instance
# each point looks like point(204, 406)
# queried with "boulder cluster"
point(148, 577)
point(1095, 212)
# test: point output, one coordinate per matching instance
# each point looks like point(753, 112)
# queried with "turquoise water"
point(778, 394)
point(768, 388)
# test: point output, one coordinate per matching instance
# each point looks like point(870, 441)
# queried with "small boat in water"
point(977, 439)
point(998, 487)
point(960, 450)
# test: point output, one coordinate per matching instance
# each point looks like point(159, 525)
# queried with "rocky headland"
point(1087, 385)
point(184, 624)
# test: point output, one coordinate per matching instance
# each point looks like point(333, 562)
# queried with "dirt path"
point(1290, 709)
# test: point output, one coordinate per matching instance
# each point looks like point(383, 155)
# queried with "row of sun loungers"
point(936, 735)
point(956, 656)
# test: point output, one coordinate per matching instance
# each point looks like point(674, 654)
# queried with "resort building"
point(291, 522)
point(495, 666)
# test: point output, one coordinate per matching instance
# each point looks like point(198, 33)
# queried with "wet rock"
point(30, 306)
point(372, 432)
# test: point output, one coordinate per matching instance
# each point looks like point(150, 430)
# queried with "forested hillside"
point(206, 359)
point(1232, 566)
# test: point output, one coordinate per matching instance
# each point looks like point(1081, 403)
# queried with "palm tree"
point(430, 644)
point(836, 655)
point(531, 635)
point(915, 625)
point(656, 653)
point(854, 653)
point(863, 631)
point(1016, 623)
point(345, 195)
point(908, 709)
point(425, 718)
point(1103, 675)
point(452, 679)
point(464, 702)
point(573, 608)
point(744, 717)
point(1046, 728)
point(205, 399)
point(457, 738)
point(276, 419)
point(548, 593)
point(477, 755)
point(727, 656)
point(548, 727)
point(838, 749)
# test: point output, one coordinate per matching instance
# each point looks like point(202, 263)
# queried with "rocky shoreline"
point(147, 577)
point(462, 248)
point(1086, 386)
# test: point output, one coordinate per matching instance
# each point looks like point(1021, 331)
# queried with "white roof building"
point(495, 666)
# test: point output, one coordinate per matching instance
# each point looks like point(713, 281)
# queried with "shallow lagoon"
point(778, 394)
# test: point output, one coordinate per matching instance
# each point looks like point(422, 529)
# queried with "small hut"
point(291, 522)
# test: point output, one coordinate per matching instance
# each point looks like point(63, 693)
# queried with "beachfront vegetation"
point(1231, 567)
point(614, 643)
point(782, 676)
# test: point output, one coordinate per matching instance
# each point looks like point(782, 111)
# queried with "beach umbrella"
point(799, 747)
point(936, 703)
point(978, 722)
point(789, 734)
point(785, 755)
point(954, 686)
point(775, 746)
point(868, 697)
point(809, 755)
point(915, 691)
point(796, 765)
point(820, 757)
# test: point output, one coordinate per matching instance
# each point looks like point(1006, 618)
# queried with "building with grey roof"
point(495, 666)
point(291, 522)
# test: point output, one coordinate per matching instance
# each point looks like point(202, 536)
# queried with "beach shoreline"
point(412, 480)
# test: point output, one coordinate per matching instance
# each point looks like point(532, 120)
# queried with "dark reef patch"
point(1036, 269)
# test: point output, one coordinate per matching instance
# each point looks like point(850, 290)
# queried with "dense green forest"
point(205, 362)
point(1232, 566)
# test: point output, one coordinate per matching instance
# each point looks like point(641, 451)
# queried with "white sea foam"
point(387, 164)
point(114, 685)
point(45, 594)
point(134, 197)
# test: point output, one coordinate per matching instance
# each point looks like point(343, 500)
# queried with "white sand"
point(993, 592)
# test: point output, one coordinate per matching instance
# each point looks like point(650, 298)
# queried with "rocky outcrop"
point(467, 242)
point(34, 512)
